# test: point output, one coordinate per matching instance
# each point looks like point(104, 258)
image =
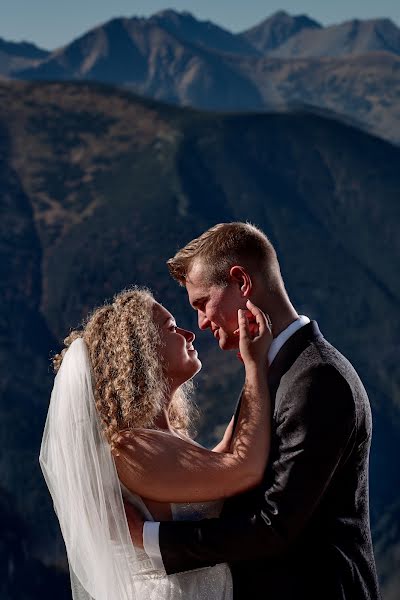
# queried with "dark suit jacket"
point(304, 532)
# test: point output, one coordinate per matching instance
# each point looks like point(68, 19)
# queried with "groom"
point(304, 532)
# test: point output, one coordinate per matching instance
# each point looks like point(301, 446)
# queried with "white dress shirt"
point(151, 540)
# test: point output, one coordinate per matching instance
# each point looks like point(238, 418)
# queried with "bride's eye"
point(172, 328)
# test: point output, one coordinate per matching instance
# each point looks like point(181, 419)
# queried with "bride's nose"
point(189, 335)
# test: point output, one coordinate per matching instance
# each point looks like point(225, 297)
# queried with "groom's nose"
point(203, 322)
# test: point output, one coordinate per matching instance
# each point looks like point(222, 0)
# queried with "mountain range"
point(308, 39)
point(352, 69)
point(100, 187)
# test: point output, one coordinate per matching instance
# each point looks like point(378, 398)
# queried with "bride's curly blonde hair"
point(129, 383)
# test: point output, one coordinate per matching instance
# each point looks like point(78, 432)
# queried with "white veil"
point(80, 473)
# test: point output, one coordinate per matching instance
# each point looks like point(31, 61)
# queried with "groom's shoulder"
point(319, 354)
point(323, 353)
point(322, 367)
point(322, 378)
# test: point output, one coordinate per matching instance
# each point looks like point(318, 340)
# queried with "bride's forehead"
point(161, 314)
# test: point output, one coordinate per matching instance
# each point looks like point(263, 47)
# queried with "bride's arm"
point(225, 444)
point(162, 467)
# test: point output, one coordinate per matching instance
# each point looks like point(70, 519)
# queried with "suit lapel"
point(290, 352)
point(286, 357)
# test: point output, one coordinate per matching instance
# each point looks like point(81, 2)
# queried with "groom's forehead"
point(197, 274)
point(196, 279)
point(196, 284)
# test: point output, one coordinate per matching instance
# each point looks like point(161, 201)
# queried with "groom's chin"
point(228, 343)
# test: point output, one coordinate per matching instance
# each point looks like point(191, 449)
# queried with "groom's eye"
point(199, 304)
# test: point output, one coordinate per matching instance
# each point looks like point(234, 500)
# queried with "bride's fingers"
point(257, 321)
point(243, 325)
point(259, 316)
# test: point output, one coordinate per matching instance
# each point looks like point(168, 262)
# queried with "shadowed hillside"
point(100, 187)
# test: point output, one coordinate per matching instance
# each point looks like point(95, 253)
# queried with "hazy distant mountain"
point(364, 89)
point(203, 33)
point(350, 38)
point(23, 49)
point(143, 55)
point(276, 30)
point(352, 69)
point(15, 56)
point(109, 53)
point(99, 187)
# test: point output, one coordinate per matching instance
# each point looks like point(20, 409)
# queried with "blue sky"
point(52, 23)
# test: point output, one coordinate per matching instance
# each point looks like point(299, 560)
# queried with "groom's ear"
point(241, 277)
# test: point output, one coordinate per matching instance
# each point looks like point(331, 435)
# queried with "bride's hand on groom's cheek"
point(135, 524)
point(253, 329)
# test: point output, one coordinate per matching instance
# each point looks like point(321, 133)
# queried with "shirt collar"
point(284, 335)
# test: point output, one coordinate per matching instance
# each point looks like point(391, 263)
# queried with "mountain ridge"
point(19, 55)
point(354, 37)
point(24, 49)
point(275, 30)
point(205, 33)
point(351, 68)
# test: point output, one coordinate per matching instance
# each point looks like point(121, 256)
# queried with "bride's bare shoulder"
point(143, 433)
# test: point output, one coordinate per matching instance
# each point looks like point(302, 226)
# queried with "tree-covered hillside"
point(100, 187)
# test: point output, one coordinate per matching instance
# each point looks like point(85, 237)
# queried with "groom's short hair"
point(225, 245)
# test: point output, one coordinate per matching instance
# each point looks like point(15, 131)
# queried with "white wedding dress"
point(80, 473)
point(209, 583)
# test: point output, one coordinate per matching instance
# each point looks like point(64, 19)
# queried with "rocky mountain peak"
point(186, 27)
point(276, 29)
point(169, 14)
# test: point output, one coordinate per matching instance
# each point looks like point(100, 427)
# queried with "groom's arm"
point(147, 534)
point(315, 432)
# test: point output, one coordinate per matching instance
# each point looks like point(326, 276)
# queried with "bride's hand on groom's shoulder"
point(255, 336)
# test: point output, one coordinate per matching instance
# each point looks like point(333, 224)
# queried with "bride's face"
point(179, 356)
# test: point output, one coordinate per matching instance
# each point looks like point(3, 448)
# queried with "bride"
point(118, 429)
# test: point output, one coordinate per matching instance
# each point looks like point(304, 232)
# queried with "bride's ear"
point(242, 278)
